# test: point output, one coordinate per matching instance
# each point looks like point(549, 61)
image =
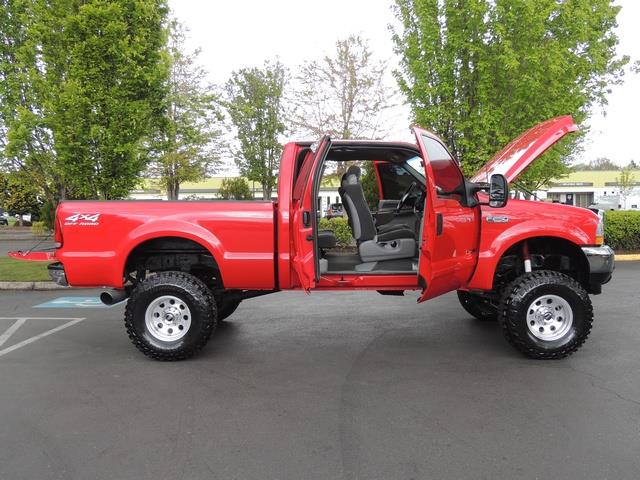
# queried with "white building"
point(584, 188)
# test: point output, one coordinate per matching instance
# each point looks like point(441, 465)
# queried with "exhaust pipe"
point(111, 297)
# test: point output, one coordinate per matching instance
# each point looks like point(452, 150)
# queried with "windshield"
point(416, 167)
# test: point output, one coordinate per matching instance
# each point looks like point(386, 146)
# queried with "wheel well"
point(172, 253)
point(547, 253)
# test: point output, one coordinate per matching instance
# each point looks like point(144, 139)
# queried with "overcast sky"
point(238, 34)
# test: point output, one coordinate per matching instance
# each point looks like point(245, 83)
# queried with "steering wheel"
point(405, 196)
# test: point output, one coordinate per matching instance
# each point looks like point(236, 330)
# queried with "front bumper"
point(601, 265)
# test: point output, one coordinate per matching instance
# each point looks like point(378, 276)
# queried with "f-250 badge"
point(498, 219)
point(84, 219)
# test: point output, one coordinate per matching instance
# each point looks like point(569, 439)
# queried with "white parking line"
point(11, 330)
point(20, 321)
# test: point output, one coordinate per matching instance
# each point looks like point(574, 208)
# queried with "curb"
point(35, 238)
point(627, 257)
point(30, 286)
point(20, 238)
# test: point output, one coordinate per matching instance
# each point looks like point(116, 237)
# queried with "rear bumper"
point(56, 270)
point(601, 265)
point(57, 274)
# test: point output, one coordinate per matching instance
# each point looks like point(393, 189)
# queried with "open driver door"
point(450, 229)
point(305, 220)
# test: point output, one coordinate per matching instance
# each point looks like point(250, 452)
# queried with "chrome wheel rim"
point(168, 318)
point(549, 317)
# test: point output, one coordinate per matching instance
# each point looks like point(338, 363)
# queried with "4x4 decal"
point(84, 219)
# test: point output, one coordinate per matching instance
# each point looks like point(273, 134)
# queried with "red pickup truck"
point(185, 266)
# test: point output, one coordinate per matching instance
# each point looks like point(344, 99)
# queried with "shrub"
point(235, 189)
point(622, 230)
point(340, 227)
point(39, 228)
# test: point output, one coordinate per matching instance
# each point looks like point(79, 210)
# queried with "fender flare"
point(174, 228)
point(488, 258)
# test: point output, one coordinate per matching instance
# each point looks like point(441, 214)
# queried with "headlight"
point(600, 228)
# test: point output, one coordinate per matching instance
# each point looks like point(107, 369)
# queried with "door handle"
point(306, 218)
point(439, 224)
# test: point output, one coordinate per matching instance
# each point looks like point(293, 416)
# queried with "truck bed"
point(98, 236)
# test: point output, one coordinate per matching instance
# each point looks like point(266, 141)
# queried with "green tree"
point(370, 186)
point(26, 139)
point(343, 95)
point(255, 104)
point(235, 189)
point(626, 181)
point(479, 72)
point(185, 146)
point(601, 163)
point(80, 84)
point(19, 195)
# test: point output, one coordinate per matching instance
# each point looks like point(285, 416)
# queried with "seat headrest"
point(352, 177)
point(354, 170)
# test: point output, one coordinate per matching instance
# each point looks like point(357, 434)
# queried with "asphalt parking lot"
point(327, 386)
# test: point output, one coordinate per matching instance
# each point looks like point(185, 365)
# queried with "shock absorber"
point(526, 257)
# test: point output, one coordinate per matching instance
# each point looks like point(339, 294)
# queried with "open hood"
point(519, 154)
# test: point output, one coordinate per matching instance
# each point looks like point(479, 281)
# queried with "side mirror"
point(498, 191)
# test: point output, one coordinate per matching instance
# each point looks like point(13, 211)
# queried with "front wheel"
point(546, 314)
point(170, 316)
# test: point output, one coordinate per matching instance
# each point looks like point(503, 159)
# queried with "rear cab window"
point(394, 180)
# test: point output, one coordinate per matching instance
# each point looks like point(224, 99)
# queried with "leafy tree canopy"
point(80, 83)
point(18, 195)
point(598, 164)
point(255, 104)
point(186, 144)
point(479, 72)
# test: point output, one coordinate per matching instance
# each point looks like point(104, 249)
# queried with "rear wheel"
point(546, 314)
point(170, 316)
point(478, 306)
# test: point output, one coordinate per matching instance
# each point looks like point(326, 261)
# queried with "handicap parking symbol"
point(73, 302)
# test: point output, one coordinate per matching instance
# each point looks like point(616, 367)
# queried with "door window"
point(446, 173)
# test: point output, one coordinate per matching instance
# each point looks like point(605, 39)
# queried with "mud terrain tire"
point(545, 314)
point(170, 316)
